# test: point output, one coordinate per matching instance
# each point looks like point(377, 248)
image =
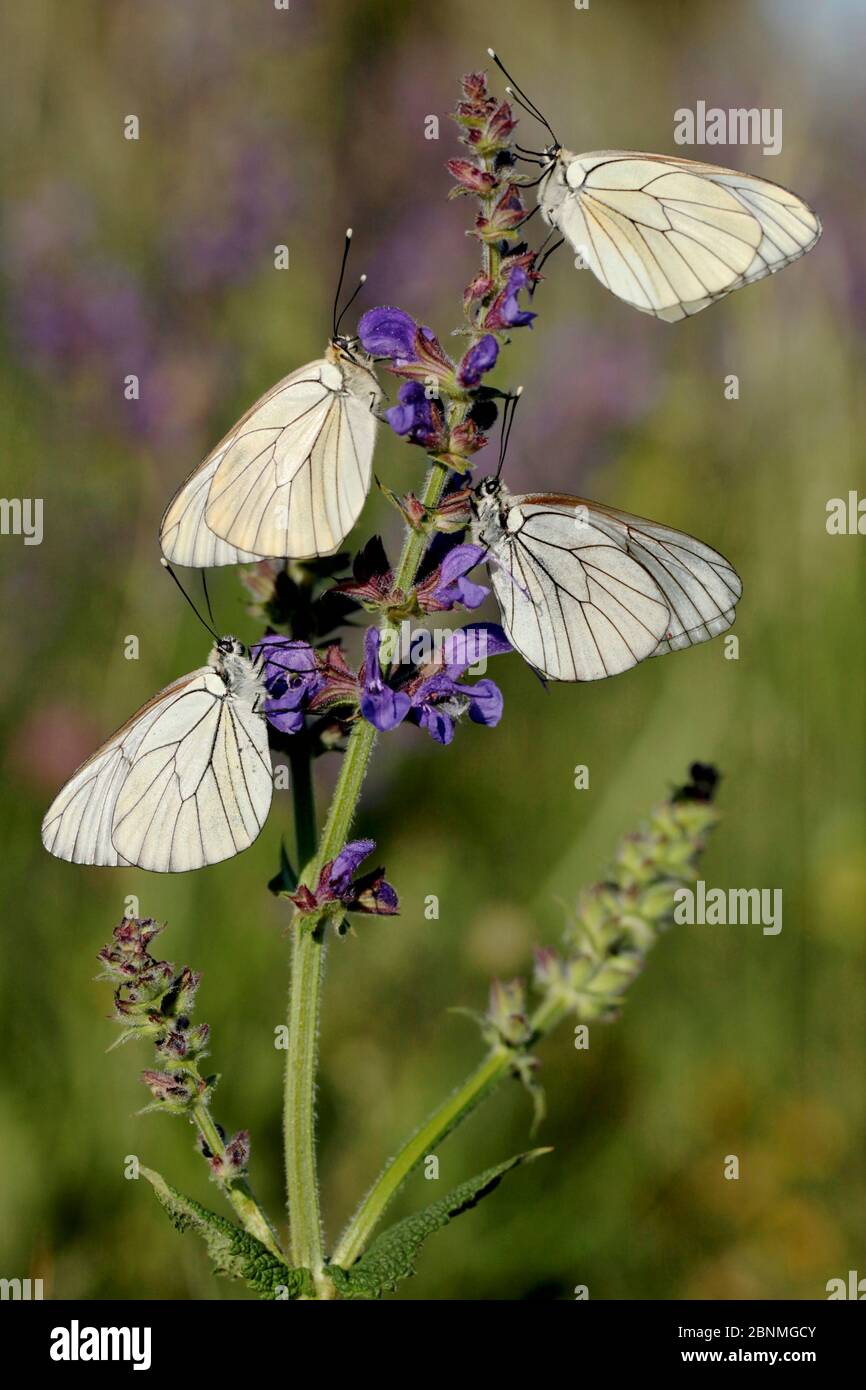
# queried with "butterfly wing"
point(670, 236)
point(186, 782)
point(701, 587)
point(574, 603)
point(185, 536)
point(587, 591)
point(290, 479)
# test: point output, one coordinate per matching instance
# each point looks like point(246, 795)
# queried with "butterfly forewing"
point(669, 235)
point(290, 479)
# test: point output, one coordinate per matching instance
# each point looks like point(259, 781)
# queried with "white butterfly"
point(185, 782)
point(586, 591)
point(668, 235)
point(290, 479)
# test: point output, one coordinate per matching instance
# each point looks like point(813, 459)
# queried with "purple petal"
point(469, 645)
point(381, 706)
point(346, 863)
point(280, 656)
point(460, 561)
point(480, 358)
point(372, 669)
point(437, 722)
point(287, 720)
point(485, 702)
point(385, 709)
point(388, 332)
point(471, 595)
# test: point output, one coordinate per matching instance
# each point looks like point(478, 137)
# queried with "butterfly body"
point(670, 236)
point(289, 480)
point(184, 783)
point(586, 591)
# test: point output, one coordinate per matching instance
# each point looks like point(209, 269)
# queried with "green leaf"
point(286, 881)
point(391, 1257)
point(234, 1252)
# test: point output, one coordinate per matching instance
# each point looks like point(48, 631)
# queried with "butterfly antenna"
point(548, 253)
point(507, 422)
point(207, 596)
point(527, 104)
point(167, 566)
point(346, 245)
point(349, 302)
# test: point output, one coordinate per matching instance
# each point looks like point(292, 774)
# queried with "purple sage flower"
point(440, 699)
point(370, 893)
point(388, 332)
point(448, 587)
point(381, 705)
point(291, 676)
point(505, 311)
point(415, 416)
point(480, 358)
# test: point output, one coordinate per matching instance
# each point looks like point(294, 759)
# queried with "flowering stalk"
point(616, 924)
point(153, 1000)
point(448, 434)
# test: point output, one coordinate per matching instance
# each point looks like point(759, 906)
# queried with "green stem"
point(237, 1190)
point(308, 949)
point(416, 541)
point(481, 1083)
point(299, 1117)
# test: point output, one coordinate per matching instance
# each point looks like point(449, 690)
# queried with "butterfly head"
point(241, 675)
point(342, 348)
point(486, 502)
point(488, 488)
point(230, 646)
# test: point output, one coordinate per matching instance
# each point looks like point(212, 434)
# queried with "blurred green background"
point(261, 127)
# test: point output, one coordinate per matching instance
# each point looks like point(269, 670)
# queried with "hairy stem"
point(308, 950)
point(299, 1121)
point(237, 1190)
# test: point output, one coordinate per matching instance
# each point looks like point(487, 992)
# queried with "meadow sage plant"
point(320, 701)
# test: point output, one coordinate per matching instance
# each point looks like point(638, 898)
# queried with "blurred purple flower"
point(231, 222)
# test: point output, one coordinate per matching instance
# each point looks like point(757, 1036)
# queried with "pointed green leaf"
point(234, 1252)
point(391, 1257)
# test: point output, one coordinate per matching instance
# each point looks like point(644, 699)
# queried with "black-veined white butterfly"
point(290, 479)
point(587, 592)
point(185, 782)
point(668, 235)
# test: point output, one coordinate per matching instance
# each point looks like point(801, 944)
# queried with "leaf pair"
point(238, 1255)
